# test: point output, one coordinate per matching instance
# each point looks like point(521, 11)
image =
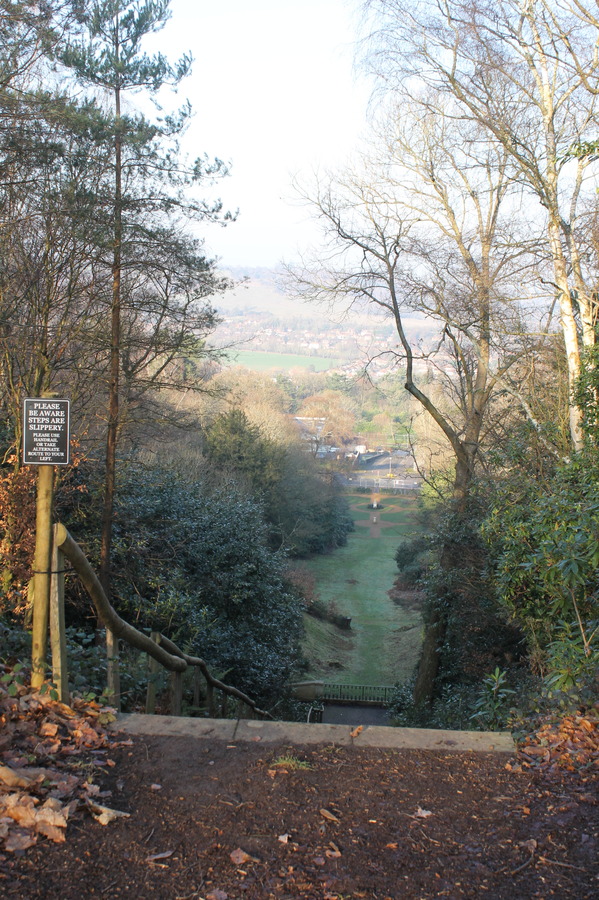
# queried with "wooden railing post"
point(176, 693)
point(197, 686)
point(153, 667)
point(113, 672)
point(58, 640)
point(41, 574)
point(210, 699)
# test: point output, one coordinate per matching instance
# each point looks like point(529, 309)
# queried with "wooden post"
point(244, 710)
point(210, 699)
point(176, 692)
point(153, 668)
point(113, 677)
point(197, 686)
point(58, 639)
point(41, 574)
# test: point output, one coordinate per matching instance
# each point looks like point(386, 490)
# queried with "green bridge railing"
point(357, 693)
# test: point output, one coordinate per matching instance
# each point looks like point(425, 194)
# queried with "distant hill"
point(259, 292)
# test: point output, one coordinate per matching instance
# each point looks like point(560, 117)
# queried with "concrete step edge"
point(298, 733)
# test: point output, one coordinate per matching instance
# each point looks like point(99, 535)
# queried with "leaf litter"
point(569, 743)
point(48, 753)
point(526, 831)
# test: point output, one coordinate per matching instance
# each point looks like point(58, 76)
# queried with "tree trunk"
point(428, 665)
point(570, 333)
point(112, 646)
point(436, 629)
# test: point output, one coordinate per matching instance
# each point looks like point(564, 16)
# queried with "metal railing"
point(358, 693)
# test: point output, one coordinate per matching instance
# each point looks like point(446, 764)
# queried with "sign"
point(46, 432)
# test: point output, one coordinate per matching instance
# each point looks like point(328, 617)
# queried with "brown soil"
point(226, 822)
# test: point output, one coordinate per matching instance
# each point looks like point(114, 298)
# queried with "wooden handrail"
point(214, 682)
point(165, 651)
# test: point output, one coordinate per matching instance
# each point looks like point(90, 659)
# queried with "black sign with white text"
point(46, 432)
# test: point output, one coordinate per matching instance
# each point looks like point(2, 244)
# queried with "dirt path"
point(211, 821)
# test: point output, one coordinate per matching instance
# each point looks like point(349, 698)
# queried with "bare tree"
point(425, 227)
point(528, 73)
point(328, 419)
point(52, 285)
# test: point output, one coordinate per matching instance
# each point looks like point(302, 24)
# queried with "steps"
point(300, 733)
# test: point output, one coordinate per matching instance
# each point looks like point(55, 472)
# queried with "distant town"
point(259, 317)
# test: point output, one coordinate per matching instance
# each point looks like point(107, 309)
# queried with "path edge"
point(381, 736)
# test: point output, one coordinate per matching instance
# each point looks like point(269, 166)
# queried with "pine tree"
point(156, 272)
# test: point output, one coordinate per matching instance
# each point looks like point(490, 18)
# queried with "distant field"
point(280, 362)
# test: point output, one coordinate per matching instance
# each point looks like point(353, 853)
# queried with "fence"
point(358, 693)
point(397, 485)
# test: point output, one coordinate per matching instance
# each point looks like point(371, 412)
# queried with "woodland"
point(474, 205)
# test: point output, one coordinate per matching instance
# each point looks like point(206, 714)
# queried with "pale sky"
point(274, 91)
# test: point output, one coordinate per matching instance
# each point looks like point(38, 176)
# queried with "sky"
point(274, 91)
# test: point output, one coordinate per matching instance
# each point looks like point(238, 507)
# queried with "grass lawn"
point(401, 516)
point(259, 361)
point(360, 510)
point(383, 644)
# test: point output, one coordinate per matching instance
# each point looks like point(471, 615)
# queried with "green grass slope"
point(384, 641)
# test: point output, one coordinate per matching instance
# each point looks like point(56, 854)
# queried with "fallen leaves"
point(570, 744)
point(328, 815)
point(157, 856)
point(48, 729)
point(421, 813)
point(48, 819)
point(103, 814)
point(14, 778)
point(530, 845)
point(19, 839)
point(333, 851)
point(42, 740)
point(240, 857)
